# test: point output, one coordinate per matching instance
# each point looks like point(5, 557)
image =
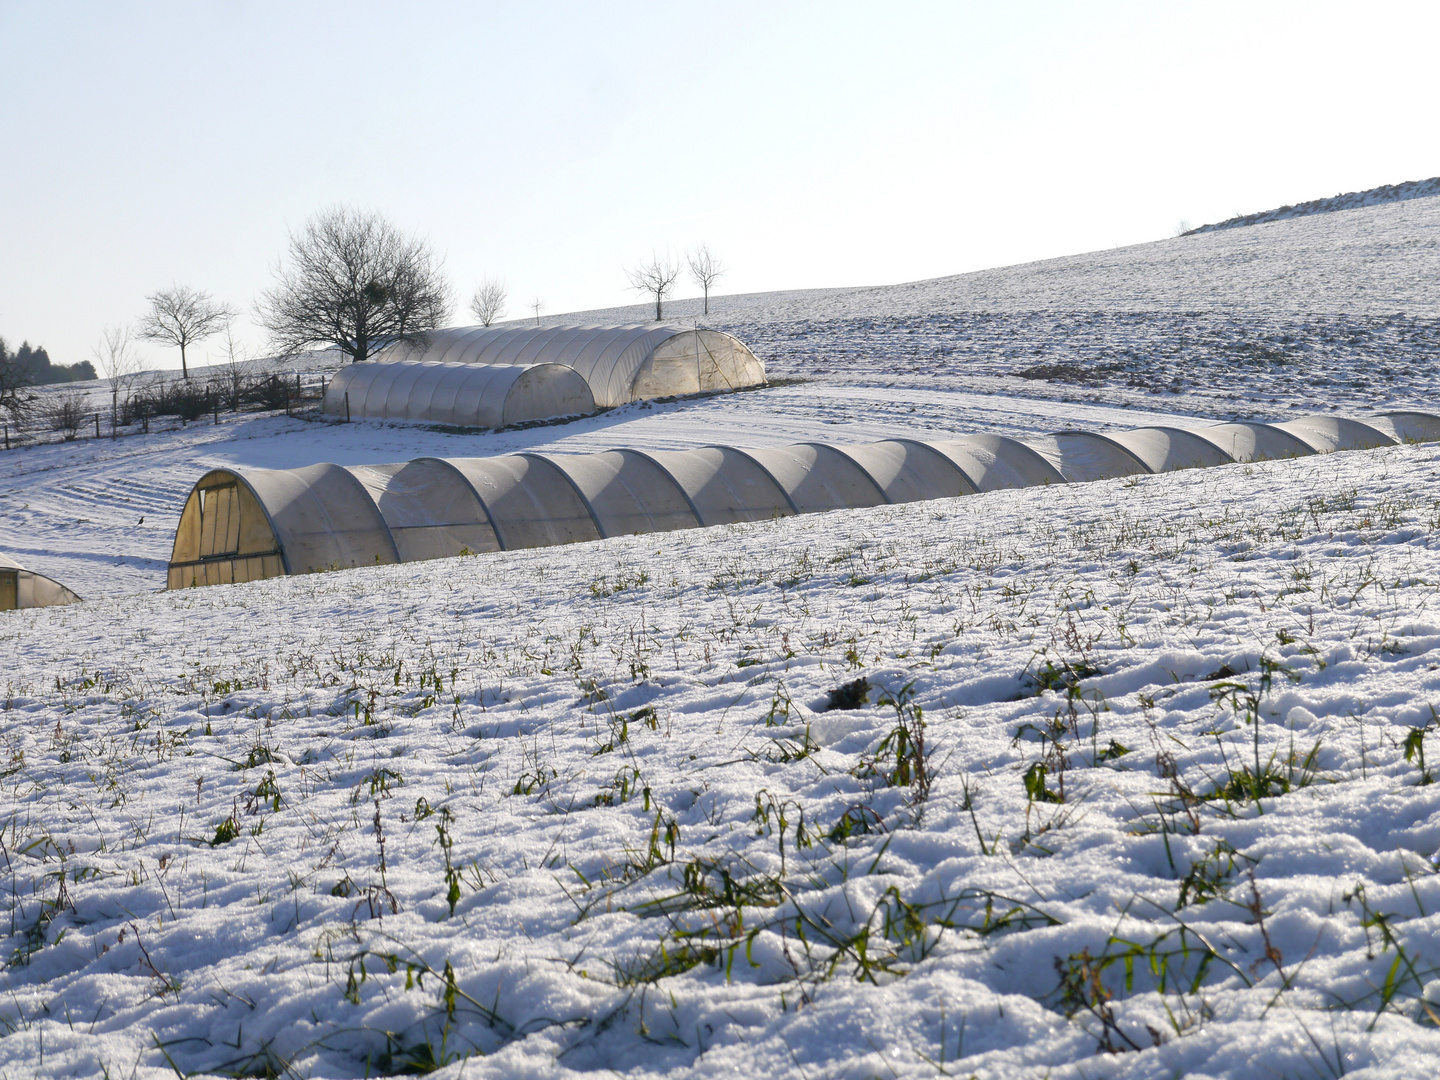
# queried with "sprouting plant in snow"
point(1414, 746)
point(902, 758)
point(226, 831)
point(446, 842)
point(1209, 875)
point(377, 896)
point(1259, 779)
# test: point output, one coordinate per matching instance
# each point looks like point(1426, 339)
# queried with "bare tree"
point(657, 277)
point(238, 369)
point(119, 363)
point(354, 282)
point(705, 269)
point(536, 305)
point(488, 303)
point(16, 400)
point(182, 316)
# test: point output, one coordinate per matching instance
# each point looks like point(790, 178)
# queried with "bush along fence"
point(158, 403)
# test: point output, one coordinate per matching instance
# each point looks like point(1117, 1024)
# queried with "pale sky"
point(810, 144)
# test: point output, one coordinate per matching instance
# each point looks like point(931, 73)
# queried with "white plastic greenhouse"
point(621, 363)
point(21, 588)
point(245, 524)
point(465, 395)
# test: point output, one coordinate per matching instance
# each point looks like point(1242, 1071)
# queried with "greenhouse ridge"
point(248, 524)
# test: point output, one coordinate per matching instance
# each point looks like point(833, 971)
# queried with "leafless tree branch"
point(16, 400)
point(238, 367)
point(117, 360)
point(65, 411)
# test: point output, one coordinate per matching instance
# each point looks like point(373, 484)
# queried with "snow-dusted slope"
point(1349, 200)
point(580, 810)
point(1372, 261)
point(1341, 307)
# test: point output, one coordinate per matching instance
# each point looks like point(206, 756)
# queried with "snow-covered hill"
point(583, 811)
point(1138, 783)
point(1375, 260)
point(1233, 323)
point(1350, 200)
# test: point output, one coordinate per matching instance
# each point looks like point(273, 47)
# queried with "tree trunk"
point(184, 369)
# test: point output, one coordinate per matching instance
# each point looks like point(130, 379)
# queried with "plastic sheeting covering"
point(21, 588)
point(1164, 449)
point(1407, 426)
point(465, 395)
point(993, 462)
point(243, 524)
point(1080, 456)
point(620, 363)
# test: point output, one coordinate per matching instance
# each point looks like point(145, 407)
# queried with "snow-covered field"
point(1136, 786)
point(1166, 805)
point(1241, 322)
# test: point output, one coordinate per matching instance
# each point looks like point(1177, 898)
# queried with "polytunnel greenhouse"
point(621, 363)
point(21, 588)
point(246, 524)
point(465, 395)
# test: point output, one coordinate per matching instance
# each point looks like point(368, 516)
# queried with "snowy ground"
point(1166, 805)
point(584, 810)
